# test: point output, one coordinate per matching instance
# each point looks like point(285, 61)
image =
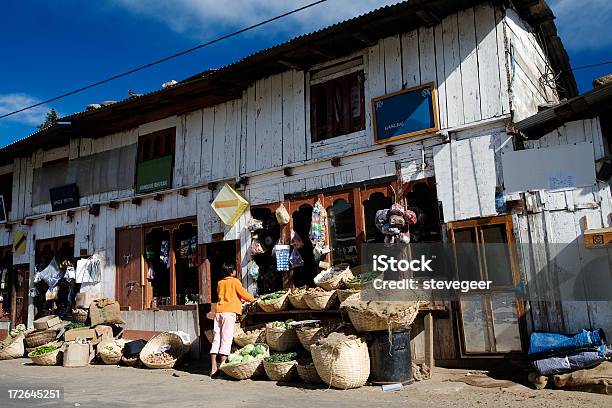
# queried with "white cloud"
point(584, 24)
point(15, 101)
point(206, 18)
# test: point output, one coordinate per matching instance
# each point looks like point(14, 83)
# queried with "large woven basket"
point(281, 339)
point(308, 374)
point(39, 338)
point(243, 371)
point(309, 335)
point(280, 371)
point(320, 300)
point(110, 356)
point(79, 315)
point(52, 358)
point(343, 294)
point(177, 349)
point(297, 300)
point(366, 321)
point(337, 280)
point(279, 304)
point(345, 365)
point(12, 347)
point(250, 335)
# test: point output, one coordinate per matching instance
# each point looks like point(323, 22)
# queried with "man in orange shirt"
point(231, 294)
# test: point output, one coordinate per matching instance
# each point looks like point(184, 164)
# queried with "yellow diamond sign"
point(229, 205)
point(20, 242)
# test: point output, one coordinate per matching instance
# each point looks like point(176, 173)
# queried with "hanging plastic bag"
point(253, 270)
point(52, 293)
point(282, 257)
point(295, 260)
point(282, 215)
point(296, 240)
point(51, 274)
point(254, 224)
point(256, 248)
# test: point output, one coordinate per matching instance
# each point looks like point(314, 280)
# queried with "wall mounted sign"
point(20, 242)
point(64, 197)
point(410, 112)
point(2, 209)
point(229, 205)
point(154, 174)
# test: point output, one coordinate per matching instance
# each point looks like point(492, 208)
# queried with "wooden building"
point(302, 122)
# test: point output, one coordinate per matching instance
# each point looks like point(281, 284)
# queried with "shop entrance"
point(58, 299)
point(6, 273)
point(215, 254)
point(269, 280)
point(129, 280)
point(19, 299)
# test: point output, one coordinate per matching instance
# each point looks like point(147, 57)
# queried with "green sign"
point(154, 174)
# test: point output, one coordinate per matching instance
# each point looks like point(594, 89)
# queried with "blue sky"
point(51, 47)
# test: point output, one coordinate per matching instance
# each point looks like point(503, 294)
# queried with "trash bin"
point(390, 357)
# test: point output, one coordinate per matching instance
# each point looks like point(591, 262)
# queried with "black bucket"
point(390, 357)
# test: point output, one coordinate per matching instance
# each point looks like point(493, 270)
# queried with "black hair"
point(227, 269)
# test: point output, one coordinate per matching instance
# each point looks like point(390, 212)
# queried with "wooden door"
point(129, 279)
point(19, 307)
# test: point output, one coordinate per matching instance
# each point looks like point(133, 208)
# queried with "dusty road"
point(113, 386)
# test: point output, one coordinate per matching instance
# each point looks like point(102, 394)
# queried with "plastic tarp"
point(543, 343)
point(570, 362)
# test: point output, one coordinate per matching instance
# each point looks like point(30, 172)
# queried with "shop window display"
point(342, 233)
point(270, 279)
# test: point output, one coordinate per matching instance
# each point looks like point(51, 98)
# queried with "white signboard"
point(552, 168)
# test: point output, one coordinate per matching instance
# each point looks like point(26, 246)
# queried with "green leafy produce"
point(234, 358)
point(74, 326)
point(282, 325)
point(272, 297)
point(247, 358)
point(248, 349)
point(246, 354)
point(39, 351)
point(281, 357)
point(364, 277)
point(260, 349)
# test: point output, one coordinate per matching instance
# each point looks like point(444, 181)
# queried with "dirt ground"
point(113, 386)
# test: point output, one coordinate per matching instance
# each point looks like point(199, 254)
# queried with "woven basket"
point(343, 294)
point(308, 374)
point(79, 315)
point(251, 335)
point(345, 365)
point(337, 280)
point(177, 349)
point(309, 336)
point(365, 321)
point(297, 300)
point(52, 358)
point(279, 304)
point(132, 361)
point(243, 371)
point(318, 300)
point(280, 371)
point(281, 339)
point(12, 347)
point(107, 356)
point(39, 338)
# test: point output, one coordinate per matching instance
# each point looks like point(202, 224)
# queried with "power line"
point(159, 61)
point(592, 65)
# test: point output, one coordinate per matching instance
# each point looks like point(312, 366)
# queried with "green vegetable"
point(272, 297)
point(247, 358)
point(364, 277)
point(248, 349)
point(39, 351)
point(233, 358)
point(260, 349)
point(282, 325)
point(74, 326)
point(247, 353)
point(281, 357)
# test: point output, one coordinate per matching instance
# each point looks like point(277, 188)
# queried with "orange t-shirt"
point(231, 293)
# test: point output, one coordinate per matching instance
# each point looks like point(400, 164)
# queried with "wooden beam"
point(321, 52)
point(429, 345)
point(364, 38)
point(429, 18)
point(290, 64)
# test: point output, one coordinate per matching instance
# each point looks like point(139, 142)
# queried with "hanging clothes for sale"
point(318, 229)
point(164, 253)
point(88, 270)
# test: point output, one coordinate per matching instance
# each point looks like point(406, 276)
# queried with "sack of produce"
point(342, 361)
point(47, 355)
point(105, 311)
point(281, 337)
point(307, 372)
point(246, 362)
point(274, 302)
point(333, 277)
point(281, 366)
point(163, 350)
point(296, 298)
point(13, 346)
point(379, 315)
point(309, 332)
point(320, 299)
point(359, 282)
point(250, 335)
point(282, 215)
point(111, 351)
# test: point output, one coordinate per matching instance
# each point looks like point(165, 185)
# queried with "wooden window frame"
point(350, 123)
point(434, 99)
point(152, 138)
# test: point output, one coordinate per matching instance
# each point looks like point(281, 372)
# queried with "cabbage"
point(248, 349)
point(233, 358)
point(247, 358)
point(260, 349)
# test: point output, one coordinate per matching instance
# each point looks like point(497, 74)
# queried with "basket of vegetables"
point(342, 361)
point(47, 355)
point(281, 337)
point(307, 372)
point(296, 298)
point(358, 282)
point(333, 277)
point(246, 362)
point(320, 299)
point(163, 350)
point(250, 335)
point(281, 366)
point(12, 347)
point(274, 302)
point(111, 351)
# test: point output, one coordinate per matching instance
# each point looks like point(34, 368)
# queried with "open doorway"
point(217, 253)
point(421, 198)
point(270, 279)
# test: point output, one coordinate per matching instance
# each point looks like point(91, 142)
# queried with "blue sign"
point(406, 113)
